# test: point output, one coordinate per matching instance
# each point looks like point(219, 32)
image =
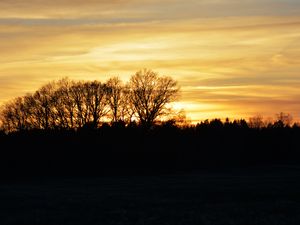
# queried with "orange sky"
point(234, 58)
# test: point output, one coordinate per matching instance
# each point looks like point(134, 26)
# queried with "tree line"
point(71, 105)
point(68, 104)
point(132, 149)
point(91, 127)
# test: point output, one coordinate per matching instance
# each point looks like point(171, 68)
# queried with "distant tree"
point(284, 118)
point(240, 124)
point(90, 101)
point(118, 100)
point(243, 123)
point(296, 125)
point(96, 101)
point(256, 122)
point(63, 105)
point(13, 115)
point(268, 122)
point(67, 104)
point(216, 124)
point(150, 94)
point(41, 107)
point(76, 94)
point(179, 118)
point(128, 110)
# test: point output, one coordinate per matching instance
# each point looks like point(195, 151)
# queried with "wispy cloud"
point(232, 58)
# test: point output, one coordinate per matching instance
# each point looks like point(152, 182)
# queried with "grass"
point(253, 196)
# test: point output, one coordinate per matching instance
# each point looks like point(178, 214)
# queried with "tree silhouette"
point(117, 100)
point(63, 105)
point(150, 94)
point(89, 102)
point(256, 122)
point(41, 106)
point(13, 115)
point(67, 104)
point(144, 100)
point(96, 101)
point(285, 119)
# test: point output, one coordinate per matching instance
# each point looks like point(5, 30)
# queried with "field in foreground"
point(269, 195)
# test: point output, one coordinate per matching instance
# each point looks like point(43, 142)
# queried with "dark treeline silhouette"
point(93, 128)
point(118, 148)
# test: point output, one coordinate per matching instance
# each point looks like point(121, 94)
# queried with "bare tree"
point(64, 105)
point(256, 122)
point(128, 110)
point(115, 91)
point(150, 93)
point(70, 105)
point(42, 106)
point(12, 115)
point(76, 94)
point(119, 101)
point(90, 102)
point(284, 118)
point(180, 119)
point(96, 101)
point(30, 107)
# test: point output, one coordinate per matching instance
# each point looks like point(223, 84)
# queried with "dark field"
point(257, 195)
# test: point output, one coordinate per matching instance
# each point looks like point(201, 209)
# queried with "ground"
point(248, 196)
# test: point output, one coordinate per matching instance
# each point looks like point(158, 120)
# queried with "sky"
point(231, 58)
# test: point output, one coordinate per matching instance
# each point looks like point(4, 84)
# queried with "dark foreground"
point(257, 195)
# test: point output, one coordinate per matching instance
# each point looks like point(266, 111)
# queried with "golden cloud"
point(234, 67)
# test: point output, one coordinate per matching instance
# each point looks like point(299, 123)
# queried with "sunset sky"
point(235, 58)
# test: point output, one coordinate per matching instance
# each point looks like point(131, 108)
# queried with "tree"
point(150, 94)
point(118, 95)
point(13, 115)
point(68, 104)
point(256, 122)
point(96, 101)
point(63, 105)
point(116, 99)
point(40, 106)
point(90, 102)
point(178, 118)
point(284, 118)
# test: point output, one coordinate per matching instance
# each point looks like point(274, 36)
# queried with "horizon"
point(233, 59)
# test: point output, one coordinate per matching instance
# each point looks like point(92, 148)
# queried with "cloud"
point(228, 58)
point(57, 8)
point(150, 9)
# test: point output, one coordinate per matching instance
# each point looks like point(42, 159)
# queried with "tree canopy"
point(68, 104)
